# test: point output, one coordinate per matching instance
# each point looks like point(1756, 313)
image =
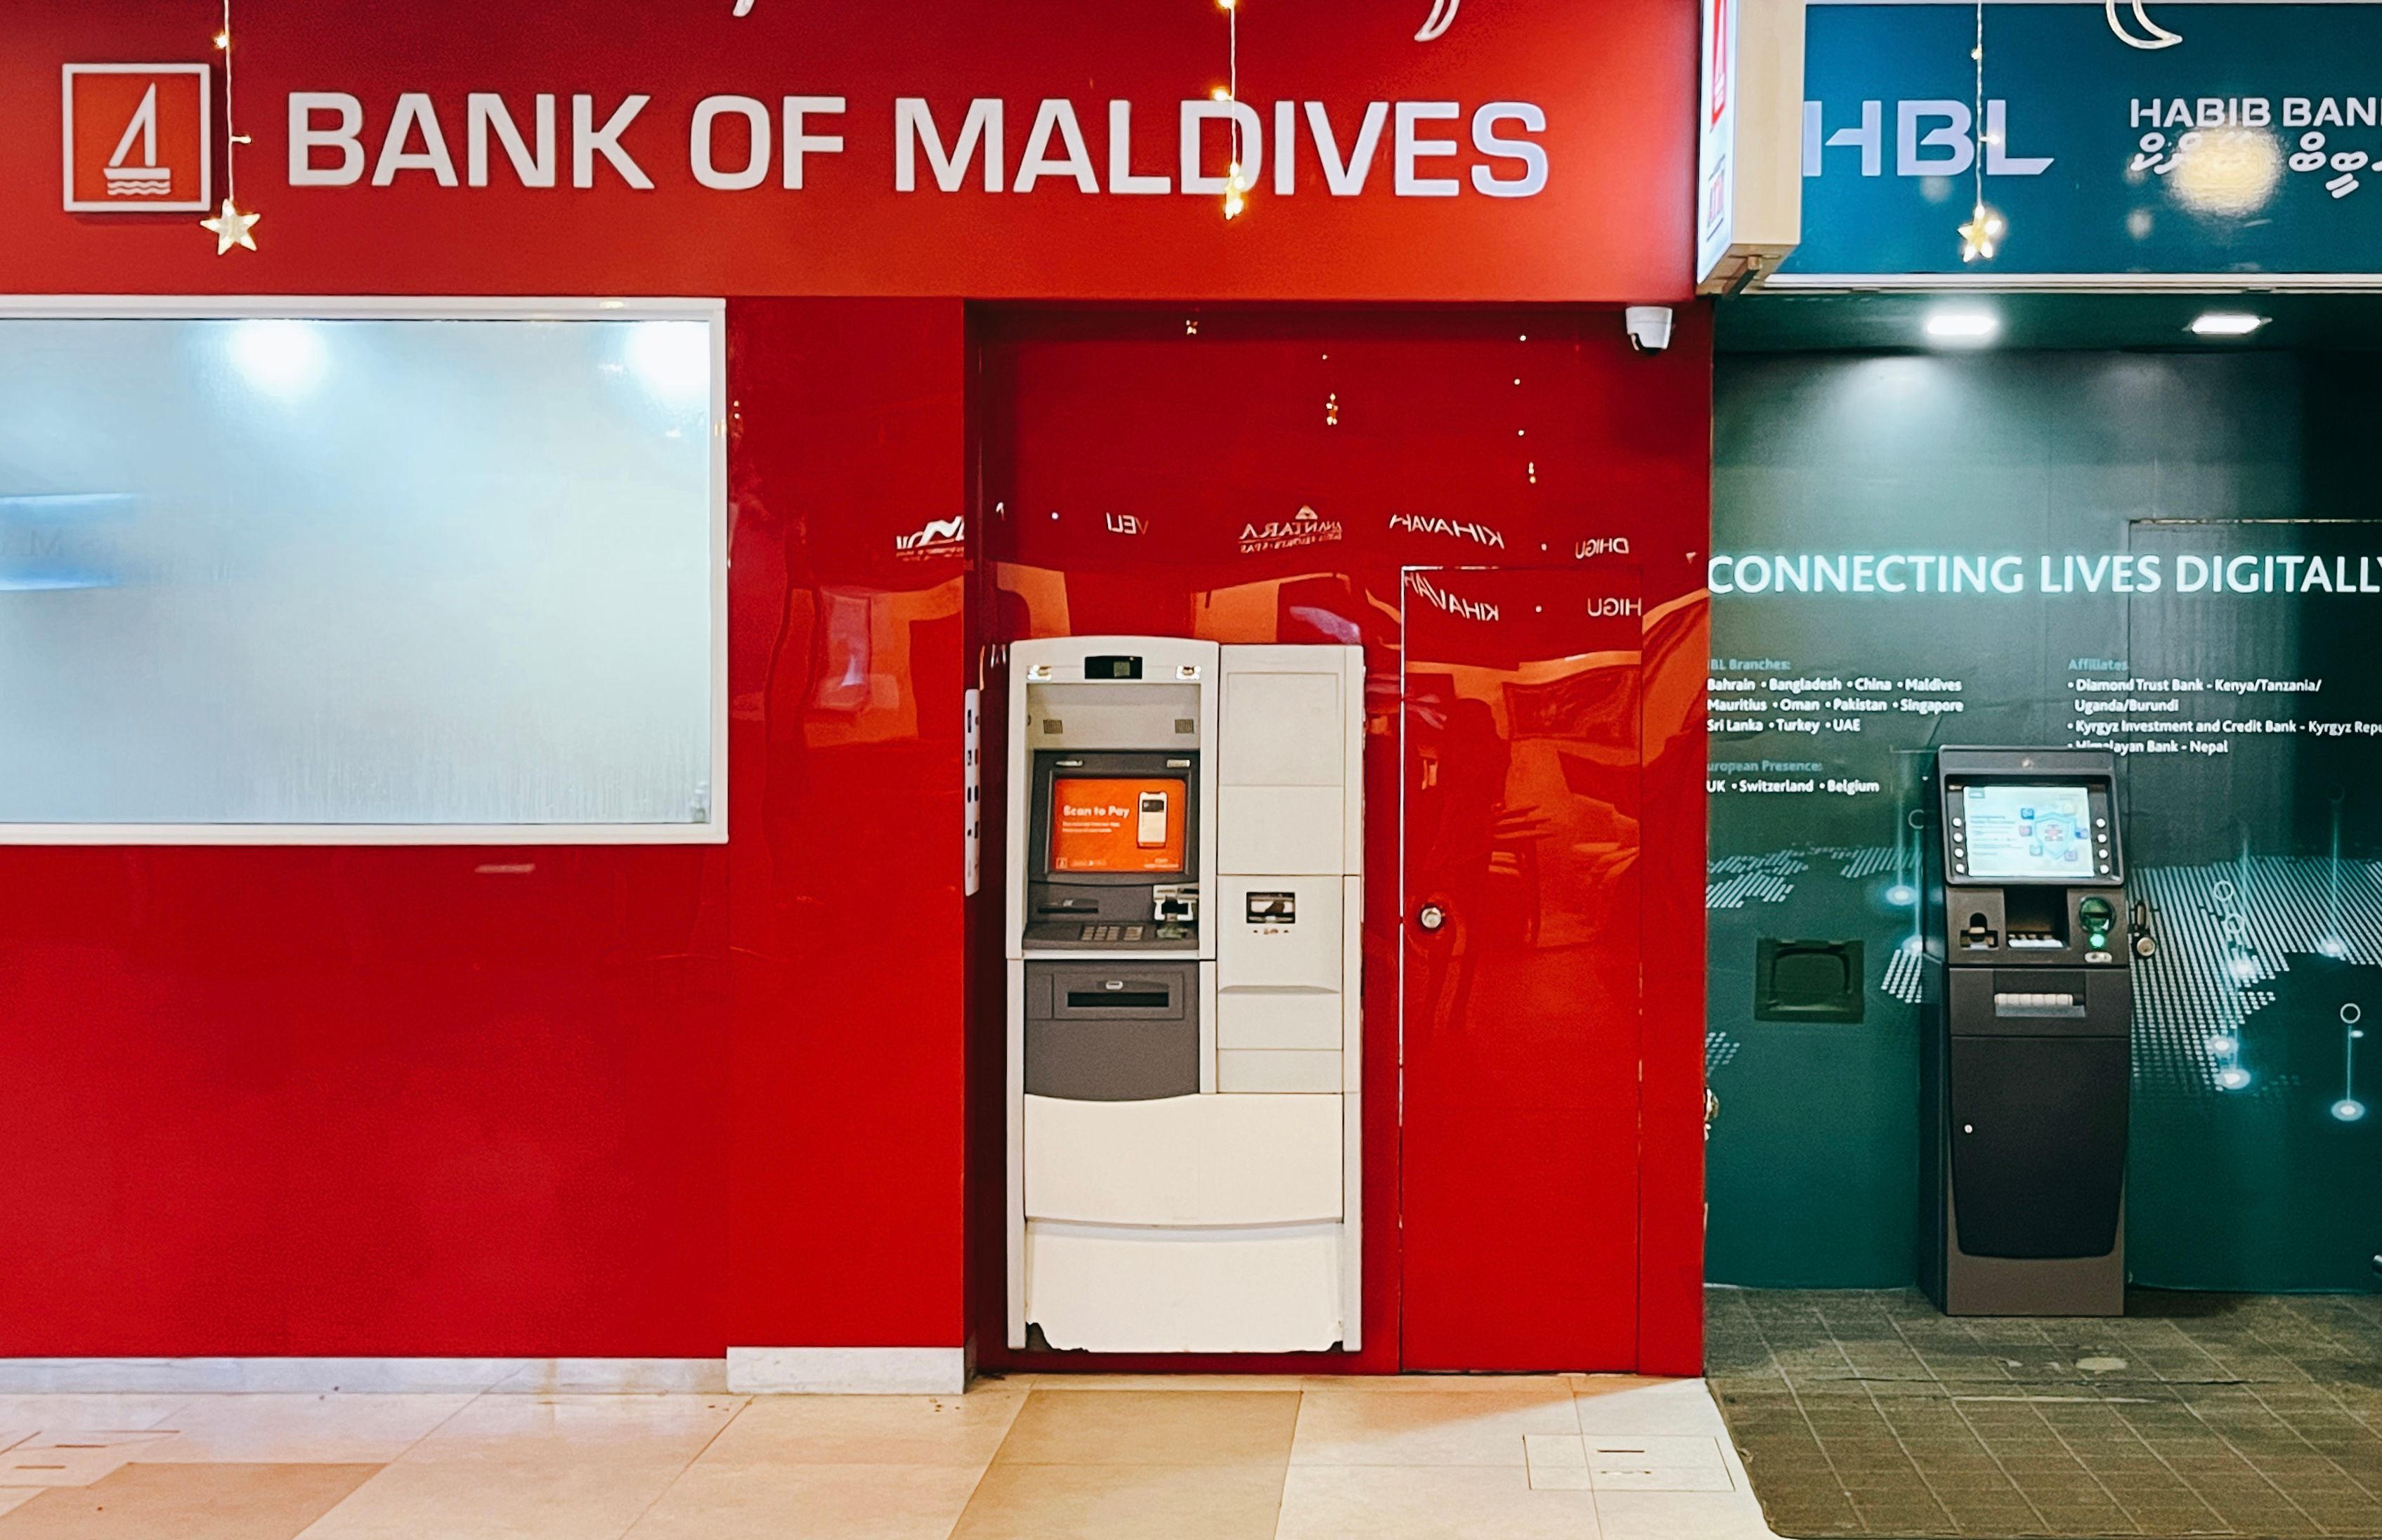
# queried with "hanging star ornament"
point(231, 227)
point(1981, 234)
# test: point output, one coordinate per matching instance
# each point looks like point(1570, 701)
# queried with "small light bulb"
point(1220, 93)
point(223, 40)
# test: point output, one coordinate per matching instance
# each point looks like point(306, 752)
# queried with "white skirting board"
point(322, 1375)
point(746, 1371)
point(849, 1371)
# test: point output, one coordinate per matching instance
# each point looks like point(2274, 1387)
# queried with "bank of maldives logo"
point(137, 139)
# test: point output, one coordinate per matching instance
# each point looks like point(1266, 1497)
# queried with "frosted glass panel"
point(372, 571)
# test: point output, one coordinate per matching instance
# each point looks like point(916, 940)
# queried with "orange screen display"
point(1116, 824)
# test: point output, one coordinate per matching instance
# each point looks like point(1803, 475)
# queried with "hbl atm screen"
point(2029, 833)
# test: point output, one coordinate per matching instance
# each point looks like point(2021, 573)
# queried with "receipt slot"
point(1185, 886)
point(2026, 1065)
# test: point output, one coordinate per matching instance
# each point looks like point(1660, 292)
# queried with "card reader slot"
point(1128, 999)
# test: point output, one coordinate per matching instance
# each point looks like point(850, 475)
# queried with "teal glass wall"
point(2255, 798)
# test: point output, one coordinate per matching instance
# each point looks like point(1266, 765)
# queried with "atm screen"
point(2028, 833)
point(1117, 823)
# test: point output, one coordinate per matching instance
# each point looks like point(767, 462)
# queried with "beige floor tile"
point(1124, 1503)
point(1681, 1516)
point(50, 1413)
point(1442, 1502)
point(70, 1459)
point(555, 1467)
point(1471, 1427)
point(1661, 1462)
point(580, 1427)
point(1558, 1461)
point(1153, 1427)
point(11, 1496)
point(868, 1430)
point(810, 1502)
point(187, 1502)
point(292, 1429)
point(1620, 1403)
point(531, 1499)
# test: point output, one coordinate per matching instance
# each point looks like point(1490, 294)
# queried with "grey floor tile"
point(2223, 1414)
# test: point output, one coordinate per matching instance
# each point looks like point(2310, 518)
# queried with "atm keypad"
point(1114, 932)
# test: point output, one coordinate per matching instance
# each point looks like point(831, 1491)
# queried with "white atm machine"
point(1185, 875)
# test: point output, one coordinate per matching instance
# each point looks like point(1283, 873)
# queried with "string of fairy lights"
point(1236, 184)
point(231, 226)
point(1983, 234)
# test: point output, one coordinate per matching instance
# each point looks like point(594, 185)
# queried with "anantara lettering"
point(1305, 527)
point(737, 143)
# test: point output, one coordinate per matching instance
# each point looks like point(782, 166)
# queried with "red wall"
point(629, 1101)
point(1126, 456)
point(660, 1101)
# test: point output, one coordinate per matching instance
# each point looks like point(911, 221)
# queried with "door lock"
point(1431, 917)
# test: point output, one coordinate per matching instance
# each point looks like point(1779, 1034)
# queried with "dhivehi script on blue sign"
point(2233, 141)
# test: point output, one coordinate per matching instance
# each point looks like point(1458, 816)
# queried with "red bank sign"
point(1524, 150)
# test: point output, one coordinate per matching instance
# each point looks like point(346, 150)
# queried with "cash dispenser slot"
point(1119, 997)
point(2035, 919)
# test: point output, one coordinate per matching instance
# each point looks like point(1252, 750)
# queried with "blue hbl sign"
point(2237, 141)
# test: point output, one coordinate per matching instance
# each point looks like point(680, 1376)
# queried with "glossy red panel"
point(1519, 961)
point(608, 1101)
point(1252, 476)
point(847, 1082)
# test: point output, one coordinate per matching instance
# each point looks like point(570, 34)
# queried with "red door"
point(1519, 968)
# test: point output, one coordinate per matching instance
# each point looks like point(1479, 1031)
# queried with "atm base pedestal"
point(2031, 1285)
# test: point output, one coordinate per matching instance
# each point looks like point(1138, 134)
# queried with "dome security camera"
point(1649, 326)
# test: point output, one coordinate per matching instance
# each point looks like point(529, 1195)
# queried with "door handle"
point(1431, 917)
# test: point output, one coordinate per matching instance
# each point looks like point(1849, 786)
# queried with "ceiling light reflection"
point(281, 358)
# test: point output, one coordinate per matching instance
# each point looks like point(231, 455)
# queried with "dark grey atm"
point(2026, 1062)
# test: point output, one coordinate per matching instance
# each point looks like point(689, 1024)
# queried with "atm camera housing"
point(1649, 327)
